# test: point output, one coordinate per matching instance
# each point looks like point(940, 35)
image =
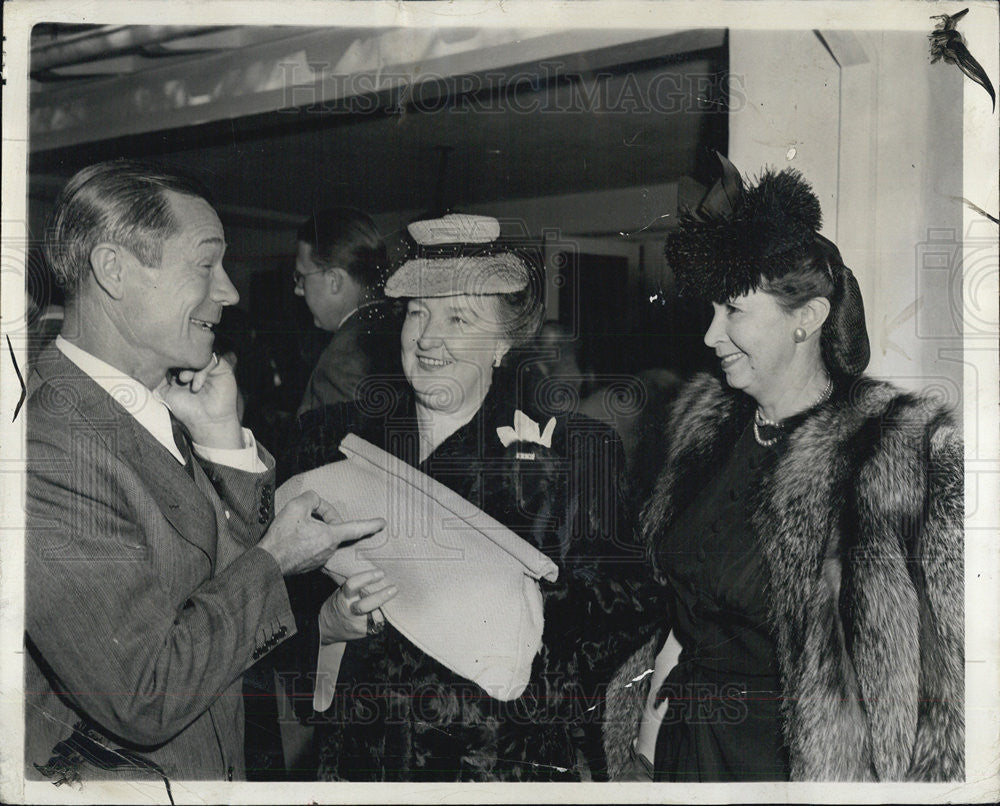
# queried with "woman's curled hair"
point(819, 271)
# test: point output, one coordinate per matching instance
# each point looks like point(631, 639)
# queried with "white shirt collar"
point(355, 310)
point(148, 408)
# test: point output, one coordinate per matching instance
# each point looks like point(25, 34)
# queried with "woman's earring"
point(799, 334)
point(496, 361)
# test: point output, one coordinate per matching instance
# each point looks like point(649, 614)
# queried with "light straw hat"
point(457, 254)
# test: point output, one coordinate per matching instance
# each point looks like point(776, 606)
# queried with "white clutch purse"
point(468, 586)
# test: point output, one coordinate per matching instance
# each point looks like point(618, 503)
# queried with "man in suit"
point(340, 270)
point(154, 562)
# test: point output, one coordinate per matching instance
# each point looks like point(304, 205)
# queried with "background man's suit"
point(366, 345)
point(131, 623)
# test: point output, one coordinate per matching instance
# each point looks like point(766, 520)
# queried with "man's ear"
point(813, 314)
point(107, 262)
point(335, 279)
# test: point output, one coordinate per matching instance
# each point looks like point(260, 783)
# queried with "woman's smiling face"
point(752, 336)
point(449, 345)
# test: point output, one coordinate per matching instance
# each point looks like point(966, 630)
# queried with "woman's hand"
point(344, 616)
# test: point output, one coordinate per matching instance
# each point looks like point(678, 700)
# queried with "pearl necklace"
point(759, 419)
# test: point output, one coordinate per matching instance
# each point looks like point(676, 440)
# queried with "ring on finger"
point(374, 627)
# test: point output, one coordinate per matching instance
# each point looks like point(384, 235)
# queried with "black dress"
point(398, 714)
point(723, 720)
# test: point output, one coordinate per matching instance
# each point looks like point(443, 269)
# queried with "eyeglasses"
point(300, 276)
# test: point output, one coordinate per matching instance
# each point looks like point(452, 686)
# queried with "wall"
point(877, 130)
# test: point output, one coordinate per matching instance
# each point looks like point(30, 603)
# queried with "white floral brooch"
point(526, 430)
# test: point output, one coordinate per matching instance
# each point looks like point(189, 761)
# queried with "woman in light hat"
point(399, 714)
point(806, 528)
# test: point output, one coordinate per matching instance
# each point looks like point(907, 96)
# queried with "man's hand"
point(205, 401)
point(299, 542)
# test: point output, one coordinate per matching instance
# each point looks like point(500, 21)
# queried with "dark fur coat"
point(860, 524)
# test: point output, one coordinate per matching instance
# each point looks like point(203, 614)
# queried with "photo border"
point(982, 557)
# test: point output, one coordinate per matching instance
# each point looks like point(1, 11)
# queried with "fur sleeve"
point(939, 748)
point(905, 594)
point(626, 697)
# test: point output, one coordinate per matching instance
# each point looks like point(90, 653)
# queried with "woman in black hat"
point(399, 714)
point(806, 528)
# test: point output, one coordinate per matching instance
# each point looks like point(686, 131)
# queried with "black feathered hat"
point(739, 234)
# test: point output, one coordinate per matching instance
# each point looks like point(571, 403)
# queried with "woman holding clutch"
point(399, 714)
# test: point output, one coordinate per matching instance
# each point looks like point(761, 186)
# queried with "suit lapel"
point(166, 481)
point(177, 496)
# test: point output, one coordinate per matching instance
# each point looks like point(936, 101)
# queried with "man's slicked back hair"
point(120, 201)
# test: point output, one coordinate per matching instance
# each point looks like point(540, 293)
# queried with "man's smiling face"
point(170, 310)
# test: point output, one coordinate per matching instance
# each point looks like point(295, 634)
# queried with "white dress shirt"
point(153, 414)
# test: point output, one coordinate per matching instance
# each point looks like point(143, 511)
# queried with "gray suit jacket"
point(145, 596)
point(366, 346)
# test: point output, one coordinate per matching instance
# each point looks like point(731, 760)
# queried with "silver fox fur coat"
point(860, 523)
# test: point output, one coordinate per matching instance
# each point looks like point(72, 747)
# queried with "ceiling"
point(447, 118)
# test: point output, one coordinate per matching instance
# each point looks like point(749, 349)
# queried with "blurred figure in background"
point(633, 404)
point(44, 311)
point(562, 379)
point(340, 270)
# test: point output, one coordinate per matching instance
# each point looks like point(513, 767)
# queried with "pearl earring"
point(799, 334)
point(496, 361)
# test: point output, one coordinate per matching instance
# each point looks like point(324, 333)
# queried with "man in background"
point(340, 270)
